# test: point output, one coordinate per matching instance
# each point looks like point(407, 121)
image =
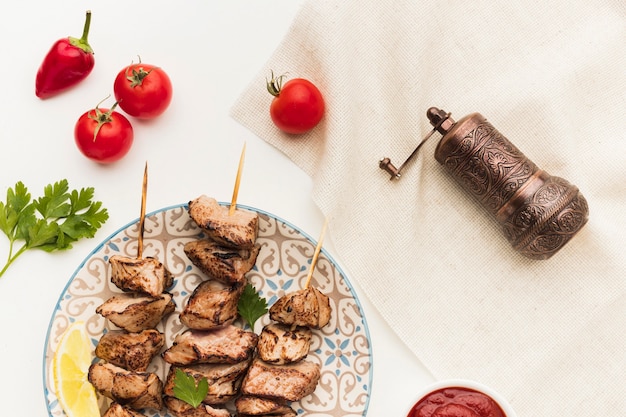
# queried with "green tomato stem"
point(275, 84)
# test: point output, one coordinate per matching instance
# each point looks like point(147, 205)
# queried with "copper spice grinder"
point(539, 213)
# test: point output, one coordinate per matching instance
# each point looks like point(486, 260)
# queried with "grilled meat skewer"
point(257, 406)
point(290, 382)
point(227, 265)
point(280, 345)
point(238, 230)
point(144, 275)
point(211, 305)
point(228, 344)
point(132, 351)
point(180, 408)
point(117, 410)
point(137, 390)
point(224, 380)
point(135, 314)
point(307, 307)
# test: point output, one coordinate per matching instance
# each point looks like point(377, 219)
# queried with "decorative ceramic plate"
point(342, 348)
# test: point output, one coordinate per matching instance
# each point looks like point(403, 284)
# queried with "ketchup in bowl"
point(459, 398)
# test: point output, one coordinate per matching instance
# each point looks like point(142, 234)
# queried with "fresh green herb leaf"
point(186, 389)
point(51, 222)
point(251, 306)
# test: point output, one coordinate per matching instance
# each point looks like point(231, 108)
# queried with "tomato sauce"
point(456, 402)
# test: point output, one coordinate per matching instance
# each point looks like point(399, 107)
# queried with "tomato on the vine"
point(143, 90)
point(103, 135)
point(298, 105)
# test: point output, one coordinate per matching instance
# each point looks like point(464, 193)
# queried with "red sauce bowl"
point(459, 398)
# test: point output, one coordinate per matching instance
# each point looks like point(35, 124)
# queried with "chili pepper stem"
point(83, 43)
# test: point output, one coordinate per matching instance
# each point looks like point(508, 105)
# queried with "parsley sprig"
point(186, 389)
point(51, 222)
point(251, 305)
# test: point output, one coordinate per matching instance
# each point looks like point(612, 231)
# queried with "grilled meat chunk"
point(135, 314)
point(307, 307)
point(117, 410)
point(228, 344)
point(212, 304)
point(278, 344)
point(224, 380)
point(227, 265)
point(131, 351)
point(145, 275)
point(257, 406)
point(290, 382)
point(239, 230)
point(137, 390)
point(180, 408)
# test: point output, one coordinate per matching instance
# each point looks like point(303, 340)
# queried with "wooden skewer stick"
point(142, 215)
point(233, 202)
point(316, 254)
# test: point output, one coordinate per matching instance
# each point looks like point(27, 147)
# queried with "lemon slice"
point(70, 366)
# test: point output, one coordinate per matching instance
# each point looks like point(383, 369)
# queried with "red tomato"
point(297, 107)
point(103, 135)
point(142, 90)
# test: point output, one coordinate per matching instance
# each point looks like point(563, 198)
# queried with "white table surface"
point(211, 50)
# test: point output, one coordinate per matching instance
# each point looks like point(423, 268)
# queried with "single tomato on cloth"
point(103, 135)
point(143, 90)
point(298, 105)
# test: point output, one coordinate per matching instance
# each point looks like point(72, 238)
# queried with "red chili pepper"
point(69, 61)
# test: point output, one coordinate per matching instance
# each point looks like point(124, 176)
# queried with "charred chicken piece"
point(228, 344)
point(224, 380)
point(238, 231)
point(278, 344)
point(227, 265)
point(257, 406)
point(145, 275)
point(135, 314)
point(307, 307)
point(117, 410)
point(290, 382)
point(211, 305)
point(137, 390)
point(132, 351)
point(180, 408)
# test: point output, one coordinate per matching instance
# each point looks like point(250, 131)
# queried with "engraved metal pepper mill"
point(539, 213)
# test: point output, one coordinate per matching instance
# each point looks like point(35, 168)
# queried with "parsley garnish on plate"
point(51, 222)
point(251, 305)
point(186, 389)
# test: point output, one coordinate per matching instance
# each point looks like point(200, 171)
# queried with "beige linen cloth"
point(551, 76)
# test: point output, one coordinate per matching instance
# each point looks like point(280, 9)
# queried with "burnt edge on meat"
point(137, 390)
point(228, 344)
point(221, 263)
point(132, 351)
point(211, 305)
point(238, 230)
point(135, 314)
point(224, 380)
point(280, 344)
point(290, 382)
point(307, 307)
point(143, 275)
